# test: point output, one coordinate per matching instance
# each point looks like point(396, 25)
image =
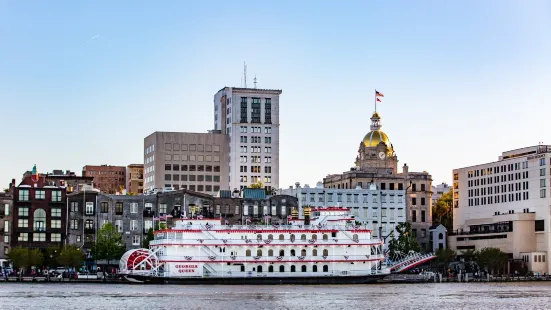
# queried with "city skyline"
point(462, 81)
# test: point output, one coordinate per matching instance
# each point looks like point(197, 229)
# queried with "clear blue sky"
point(83, 82)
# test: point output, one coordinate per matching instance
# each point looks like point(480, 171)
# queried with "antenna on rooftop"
point(245, 74)
point(255, 81)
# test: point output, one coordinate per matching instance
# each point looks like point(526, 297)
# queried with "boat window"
point(281, 268)
point(315, 268)
point(325, 237)
point(355, 237)
point(281, 237)
point(314, 252)
point(325, 268)
point(270, 237)
point(303, 252)
point(333, 234)
point(292, 237)
point(293, 268)
point(281, 252)
point(248, 253)
point(270, 252)
point(259, 237)
point(259, 252)
point(325, 252)
point(242, 268)
point(303, 268)
point(293, 252)
point(303, 237)
point(259, 269)
point(271, 268)
point(314, 237)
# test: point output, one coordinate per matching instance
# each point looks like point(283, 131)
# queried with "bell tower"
point(376, 152)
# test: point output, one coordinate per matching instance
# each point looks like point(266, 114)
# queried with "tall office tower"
point(250, 117)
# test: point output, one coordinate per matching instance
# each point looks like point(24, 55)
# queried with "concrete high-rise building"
point(250, 118)
point(184, 160)
point(439, 190)
point(506, 204)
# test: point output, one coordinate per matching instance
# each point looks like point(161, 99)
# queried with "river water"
point(527, 295)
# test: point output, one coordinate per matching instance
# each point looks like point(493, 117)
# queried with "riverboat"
point(327, 246)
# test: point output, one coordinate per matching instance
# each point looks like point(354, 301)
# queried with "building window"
point(39, 237)
point(255, 110)
point(39, 218)
point(55, 237)
point(23, 223)
point(56, 212)
point(162, 208)
point(135, 240)
point(542, 193)
point(23, 211)
point(23, 237)
point(423, 218)
point(56, 196)
point(74, 206)
point(104, 208)
point(79, 238)
point(55, 224)
point(24, 195)
point(414, 215)
point(89, 224)
point(133, 225)
point(40, 194)
point(118, 208)
point(74, 224)
point(89, 208)
point(134, 207)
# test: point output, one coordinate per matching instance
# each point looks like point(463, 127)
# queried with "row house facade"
point(6, 207)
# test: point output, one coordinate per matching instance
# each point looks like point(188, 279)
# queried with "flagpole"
point(375, 100)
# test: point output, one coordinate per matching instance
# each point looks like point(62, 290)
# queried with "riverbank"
point(43, 279)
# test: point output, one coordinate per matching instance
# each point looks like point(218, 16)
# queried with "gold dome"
point(375, 115)
point(374, 137)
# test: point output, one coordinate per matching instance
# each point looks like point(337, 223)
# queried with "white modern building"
point(506, 204)
point(250, 117)
point(371, 206)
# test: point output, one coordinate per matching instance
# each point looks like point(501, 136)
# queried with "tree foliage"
point(492, 259)
point(442, 211)
point(258, 184)
point(148, 238)
point(71, 256)
point(23, 257)
point(405, 242)
point(109, 244)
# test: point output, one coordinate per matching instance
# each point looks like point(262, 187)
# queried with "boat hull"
point(260, 280)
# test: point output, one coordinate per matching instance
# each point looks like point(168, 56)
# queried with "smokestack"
point(307, 212)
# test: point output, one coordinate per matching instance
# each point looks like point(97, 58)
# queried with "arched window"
point(281, 252)
point(325, 252)
point(293, 268)
point(259, 268)
point(303, 237)
point(314, 237)
point(259, 252)
point(281, 237)
point(293, 252)
point(303, 252)
point(39, 218)
point(271, 268)
point(355, 237)
point(292, 238)
point(220, 250)
point(303, 268)
point(270, 237)
point(270, 252)
point(259, 237)
point(314, 252)
point(440, 236)
point(281, 268)
point(325, 268)
point(325, 237)
point(315, 268)
point(248, 253)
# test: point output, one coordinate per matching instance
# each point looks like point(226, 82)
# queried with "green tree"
point(36, 258)
point(493, 259)
point(22, 258)
point(71, 257)
point(258, 184)
point(444, 257)
point(109, 244)
point(148, 238)
point(51, 256)
point(405, 242)
point(442, 211)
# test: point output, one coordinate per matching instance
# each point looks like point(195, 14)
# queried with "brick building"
point(108, 179)
point(39, 214)
point(134, 178)
point(69, 179)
